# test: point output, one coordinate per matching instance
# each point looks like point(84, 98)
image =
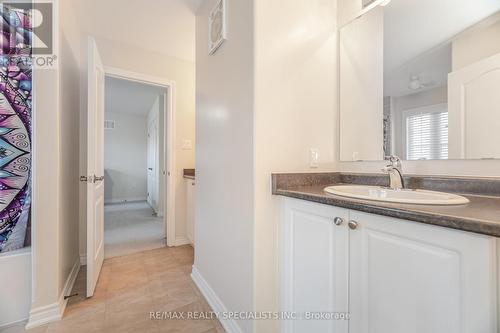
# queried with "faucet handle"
point(387, 169)
point(395, 161)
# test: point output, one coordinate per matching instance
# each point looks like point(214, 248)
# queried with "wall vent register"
point(109, 124)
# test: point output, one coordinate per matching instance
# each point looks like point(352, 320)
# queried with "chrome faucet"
point(394, 170)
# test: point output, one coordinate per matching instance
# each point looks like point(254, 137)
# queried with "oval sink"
point(377, 193)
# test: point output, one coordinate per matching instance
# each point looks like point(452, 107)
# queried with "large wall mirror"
point(420, 79)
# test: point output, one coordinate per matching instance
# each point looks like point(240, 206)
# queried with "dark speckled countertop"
point(480, 215)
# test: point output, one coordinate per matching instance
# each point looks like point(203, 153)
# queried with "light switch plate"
point(314, 157)
point(187, 145)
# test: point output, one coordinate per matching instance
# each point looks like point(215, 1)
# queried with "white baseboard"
point(231, 326)
point(123, 200)
point(181, 241)
point(53, 312)
point(44, 315)
point(9, 325)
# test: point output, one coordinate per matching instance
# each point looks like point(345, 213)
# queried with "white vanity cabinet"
point(391, 275)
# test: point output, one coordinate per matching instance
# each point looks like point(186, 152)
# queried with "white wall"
point(348, 10)
point(55, 199)
point(55, 172)
point(477, 43)
point(125, 158)
point(15, 286)
point(224, 159)
point(46, 190)
point(295, 99)
point(252, 121)
point(69, 99)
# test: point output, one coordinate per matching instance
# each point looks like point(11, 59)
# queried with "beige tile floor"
point(129, 288)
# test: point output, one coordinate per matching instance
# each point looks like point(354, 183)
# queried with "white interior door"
point(474, 110)
point(153, 166)
point(95, 167)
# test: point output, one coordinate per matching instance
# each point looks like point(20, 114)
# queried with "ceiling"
point(412, 27)
point(163, 26)
point(417, 39)
point(130, 97)
point(193, 4)
point(432, 70)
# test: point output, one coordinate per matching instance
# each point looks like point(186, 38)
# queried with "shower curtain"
point(15, 128)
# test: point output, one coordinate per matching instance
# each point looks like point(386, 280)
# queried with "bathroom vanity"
point(389, 267)
point(417, 79)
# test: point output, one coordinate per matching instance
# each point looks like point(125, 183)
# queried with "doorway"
point(94, 151)
point(134, 179)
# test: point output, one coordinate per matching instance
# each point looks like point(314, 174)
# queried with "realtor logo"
point(27, 30)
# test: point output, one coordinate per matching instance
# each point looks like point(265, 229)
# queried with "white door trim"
point(169, 140)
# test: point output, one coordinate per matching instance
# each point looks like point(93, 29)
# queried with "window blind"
point(427, 136)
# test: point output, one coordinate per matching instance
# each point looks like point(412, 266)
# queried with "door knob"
point(353, 225)
point(150, 169)
point(338, 220)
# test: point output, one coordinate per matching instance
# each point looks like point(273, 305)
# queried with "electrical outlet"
point(314, 157)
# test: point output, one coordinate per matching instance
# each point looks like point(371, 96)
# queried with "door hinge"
point(87, 179)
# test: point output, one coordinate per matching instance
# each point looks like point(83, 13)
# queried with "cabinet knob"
point(353, 225)
point(338, 220)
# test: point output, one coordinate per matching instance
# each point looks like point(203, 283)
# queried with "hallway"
point(129, 288)
point(131, 227)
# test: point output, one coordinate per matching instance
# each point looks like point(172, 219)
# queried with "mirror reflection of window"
point(426, 133)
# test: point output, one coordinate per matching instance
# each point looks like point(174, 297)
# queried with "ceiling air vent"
point(366, 3)
point(109, 124)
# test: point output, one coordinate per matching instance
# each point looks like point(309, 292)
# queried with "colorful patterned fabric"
point(15, 129)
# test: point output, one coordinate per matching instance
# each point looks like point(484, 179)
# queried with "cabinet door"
point(413, 278)
point(315, 270)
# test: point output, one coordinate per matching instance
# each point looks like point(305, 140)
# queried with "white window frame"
point(435, 108)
